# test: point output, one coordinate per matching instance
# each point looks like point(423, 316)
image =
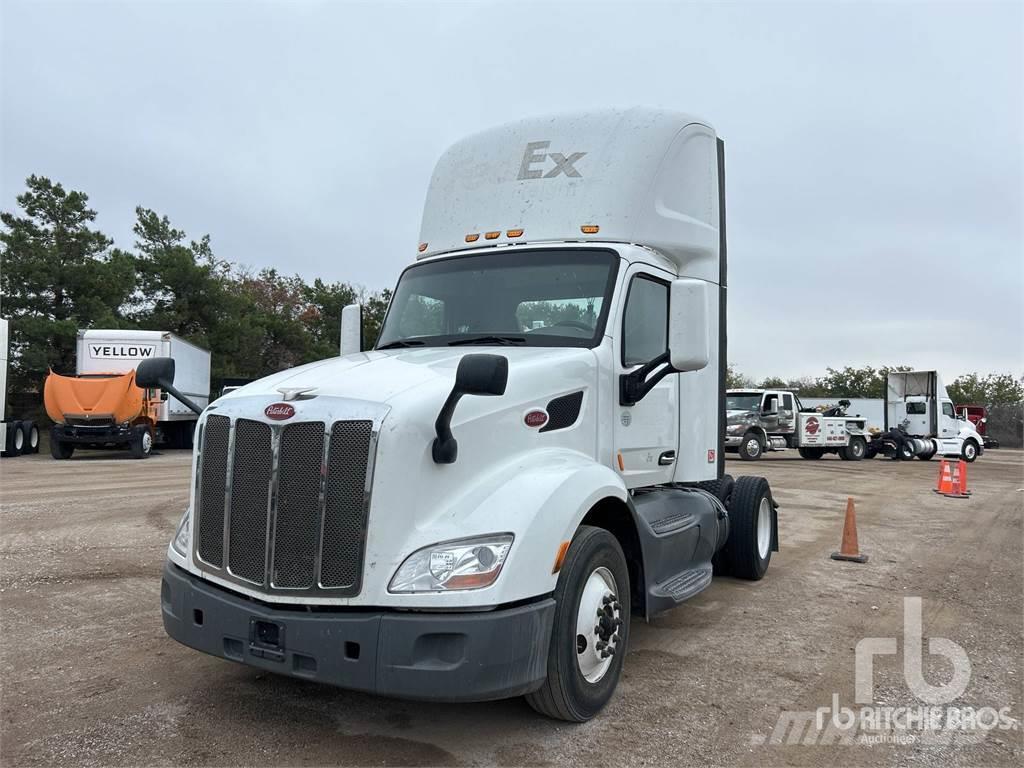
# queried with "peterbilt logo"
point(812, 426)
point(533, 156)
point(279, 411)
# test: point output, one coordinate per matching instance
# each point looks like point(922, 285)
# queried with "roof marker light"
point(492, 235)
point(423, 247)
point(472, 238)
point(514, 233)
point(589, 229)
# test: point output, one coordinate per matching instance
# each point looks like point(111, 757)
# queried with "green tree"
point(59, 275)
point(375, 306)
point(856, 382)
point(734, 379)
point(989, 390)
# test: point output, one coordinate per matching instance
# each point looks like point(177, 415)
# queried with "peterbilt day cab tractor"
point(528, 459)
point(921, 421)
point(759, 420)
point(103, 407)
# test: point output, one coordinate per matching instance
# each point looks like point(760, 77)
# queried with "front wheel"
point(854, 451)
point(811, 453)
point(590, 631)
point(750, 449)
point(142, 443)
point(748, 550)
point(969, 452)
point(58, 449)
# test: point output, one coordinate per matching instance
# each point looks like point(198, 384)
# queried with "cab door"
point(787, 418)
point(646, 434)
point(948, 425)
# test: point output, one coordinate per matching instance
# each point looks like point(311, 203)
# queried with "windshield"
point(743, 401)
point(541, 298)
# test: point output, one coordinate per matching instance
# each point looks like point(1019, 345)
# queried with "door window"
point(645, 321)
point(947, 410)
point(787, 402)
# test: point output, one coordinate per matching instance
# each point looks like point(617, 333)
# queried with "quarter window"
point(645, 322)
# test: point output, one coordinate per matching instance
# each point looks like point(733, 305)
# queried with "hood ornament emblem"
point(296, 393)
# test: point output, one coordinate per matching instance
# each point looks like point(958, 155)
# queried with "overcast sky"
point(875, 152)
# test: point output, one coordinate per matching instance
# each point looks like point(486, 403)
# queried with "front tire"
point(748, 550)
point(58, 449)
point(591, 616)
point(142, 443)
point(969, 452)
point(751, 448)
point(811, 453)
point(855, 451)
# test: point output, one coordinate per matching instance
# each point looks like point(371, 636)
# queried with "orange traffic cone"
point(952, 481)
point(849, 549)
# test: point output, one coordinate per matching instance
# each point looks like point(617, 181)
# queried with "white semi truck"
point(17, 436)
point(921, 420)
point(530, 456)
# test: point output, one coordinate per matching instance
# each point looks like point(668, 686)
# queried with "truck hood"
point(740, 416)
point(383, 376)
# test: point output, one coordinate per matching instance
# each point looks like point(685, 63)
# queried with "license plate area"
point(266, 639)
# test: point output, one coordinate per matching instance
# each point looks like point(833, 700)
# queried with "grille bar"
point(284, 508)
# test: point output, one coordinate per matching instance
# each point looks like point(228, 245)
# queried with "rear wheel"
point(751, 448)
point(15, 439)
point(721, 489)
point(142, 443)
point(751, 528)
point(590, 631)
point(906, 452)
point(811, 453)
point(30, 432)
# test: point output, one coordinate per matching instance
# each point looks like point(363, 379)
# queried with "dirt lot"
point(90, 678)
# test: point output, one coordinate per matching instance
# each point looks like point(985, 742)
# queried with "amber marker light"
point(492, 235)
point(472, 238)
point(515, 233)
point(423, 247)
point(590, 229)
point(560, 557)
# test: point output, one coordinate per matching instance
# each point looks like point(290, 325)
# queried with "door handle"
point(667, 458)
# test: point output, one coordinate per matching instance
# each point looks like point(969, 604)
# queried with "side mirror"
point(688, 327)
point(158, 373)
point(478, 374)
point(351, 329)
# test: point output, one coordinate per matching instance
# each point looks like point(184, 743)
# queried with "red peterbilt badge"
point(812, 426)
point(279, 411)
point(536, 418)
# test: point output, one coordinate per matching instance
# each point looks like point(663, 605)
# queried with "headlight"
point(452, 565)
point(183, 536)
point(735, 429)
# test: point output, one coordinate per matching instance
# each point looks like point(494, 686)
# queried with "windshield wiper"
point(504, 341)
point(401, 343)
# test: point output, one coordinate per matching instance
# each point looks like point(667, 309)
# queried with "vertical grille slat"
point(212, 487)
point(297, 521)
point(345, 506)
point(250, 490)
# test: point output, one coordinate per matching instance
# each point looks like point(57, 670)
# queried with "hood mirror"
point(158, 373)
point(478, 374)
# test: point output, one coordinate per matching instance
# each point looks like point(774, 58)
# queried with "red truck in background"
point(978, 416)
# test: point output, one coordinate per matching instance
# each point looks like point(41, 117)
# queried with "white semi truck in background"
point(530, 456)
point(921, 420)
point(17, 436)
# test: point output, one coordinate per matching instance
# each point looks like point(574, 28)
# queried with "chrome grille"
point(284, 508)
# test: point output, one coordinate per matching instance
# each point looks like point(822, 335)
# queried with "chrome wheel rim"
point(969, 450)
point(764, 527)
point(598, 620)
point(753, 447)
point(147, 442)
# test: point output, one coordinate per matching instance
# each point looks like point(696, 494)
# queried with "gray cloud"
point(875, 152)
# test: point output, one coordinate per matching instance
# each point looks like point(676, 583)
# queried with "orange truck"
point(102, 406)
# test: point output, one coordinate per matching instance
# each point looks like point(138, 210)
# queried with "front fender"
point(541, 498)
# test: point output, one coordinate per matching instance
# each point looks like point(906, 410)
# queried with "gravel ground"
point(90, 678)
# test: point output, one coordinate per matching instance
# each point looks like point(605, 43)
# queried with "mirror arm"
point(445, 449)
point(167, 386)
point(634, 386)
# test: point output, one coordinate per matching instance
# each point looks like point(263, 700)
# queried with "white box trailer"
point(120, 351)
point(17, 436)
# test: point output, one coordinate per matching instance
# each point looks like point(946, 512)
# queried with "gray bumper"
point(733, 441)
point(432, 656)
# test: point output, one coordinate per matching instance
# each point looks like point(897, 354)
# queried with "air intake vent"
point(563, 411)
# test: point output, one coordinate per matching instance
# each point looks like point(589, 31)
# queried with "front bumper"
point(431, 656)
point(89, 435)
point(733, 441)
